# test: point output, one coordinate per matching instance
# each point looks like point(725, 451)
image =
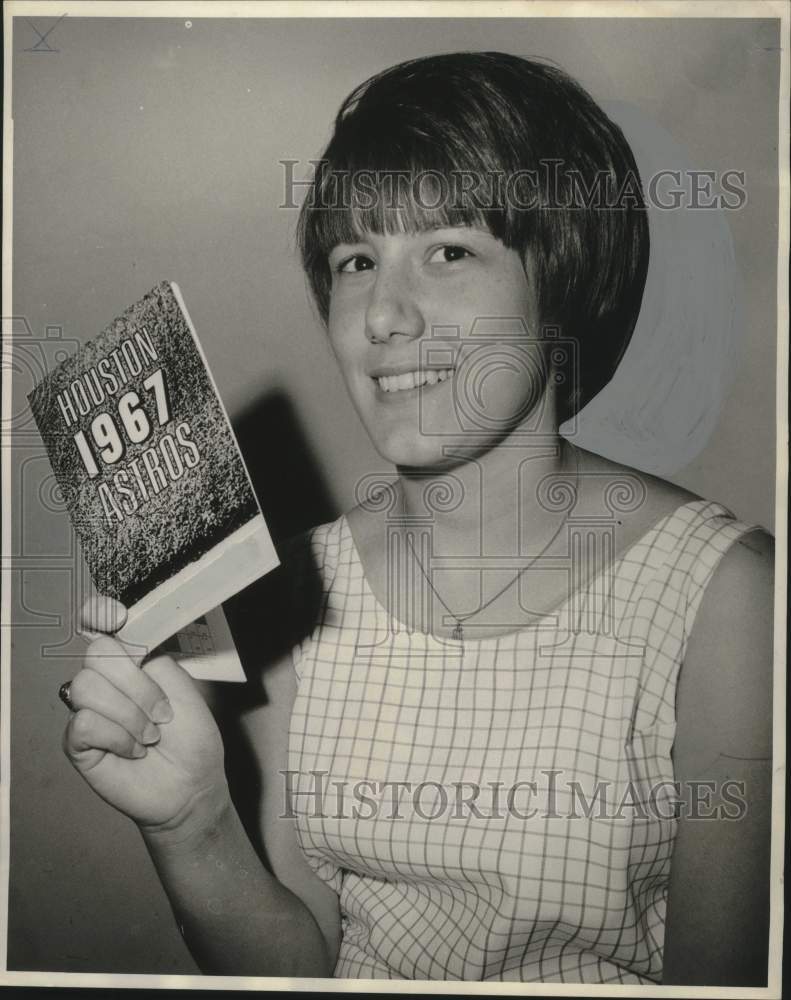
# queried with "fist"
point(142, 736)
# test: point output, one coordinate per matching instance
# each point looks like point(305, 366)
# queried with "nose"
point(392, 308)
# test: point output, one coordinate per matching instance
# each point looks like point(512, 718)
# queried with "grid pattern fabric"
point(501, 808)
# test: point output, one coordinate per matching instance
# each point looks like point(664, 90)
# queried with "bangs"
point(398, 188)
point(391, 202)
point(390, 174)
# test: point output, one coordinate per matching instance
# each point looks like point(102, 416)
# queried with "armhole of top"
point(674, 594)
point(712, 548)
point(295, 555)
point(310, 557)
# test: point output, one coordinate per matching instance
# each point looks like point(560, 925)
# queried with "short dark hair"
point(491, 115)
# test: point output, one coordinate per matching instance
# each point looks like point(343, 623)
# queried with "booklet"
point(152, 476)
point(206, 650)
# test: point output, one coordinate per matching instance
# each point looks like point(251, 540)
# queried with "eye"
point(351, 265)
point(449, 253)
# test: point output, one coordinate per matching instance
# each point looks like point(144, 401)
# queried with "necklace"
point(458, 630)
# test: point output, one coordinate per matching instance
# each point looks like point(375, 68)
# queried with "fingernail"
point(139, 751)
point(150, 734)
point(88, 634)
point(162, 711)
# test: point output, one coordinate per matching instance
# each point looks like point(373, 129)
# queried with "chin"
point(426, 453)
point(415, 451)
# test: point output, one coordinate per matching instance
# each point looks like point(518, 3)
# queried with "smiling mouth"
point(413, 380)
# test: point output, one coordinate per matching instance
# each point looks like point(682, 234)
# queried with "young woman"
point(478, 754)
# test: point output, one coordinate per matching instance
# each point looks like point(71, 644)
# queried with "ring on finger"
point(65, 696)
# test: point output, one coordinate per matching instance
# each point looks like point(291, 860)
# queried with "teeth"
point(411, 380)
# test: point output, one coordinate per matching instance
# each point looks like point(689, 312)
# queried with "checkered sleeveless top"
point(500, 808)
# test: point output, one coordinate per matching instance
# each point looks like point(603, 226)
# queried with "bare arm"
point(236, 918)
point(266, 727)
point(718, 906)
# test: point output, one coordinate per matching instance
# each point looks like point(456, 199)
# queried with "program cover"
point(151, 472)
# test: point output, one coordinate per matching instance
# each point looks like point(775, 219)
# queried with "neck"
point(461, 539)
point(489, 504)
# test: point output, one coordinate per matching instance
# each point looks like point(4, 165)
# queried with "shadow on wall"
point(275, 612)
point(286, 477)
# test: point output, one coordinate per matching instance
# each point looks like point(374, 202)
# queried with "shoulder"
point(738, 603)
point(724, 690)
point(724, 694)
point(743, 579)
point(308, 558)
point(313, 541)
point(648, 498)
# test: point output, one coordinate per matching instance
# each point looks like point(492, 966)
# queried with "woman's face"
point(436, 336)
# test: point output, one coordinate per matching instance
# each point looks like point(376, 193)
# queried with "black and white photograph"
point(394, 493)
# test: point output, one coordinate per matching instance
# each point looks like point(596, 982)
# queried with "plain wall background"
point(147, 150)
